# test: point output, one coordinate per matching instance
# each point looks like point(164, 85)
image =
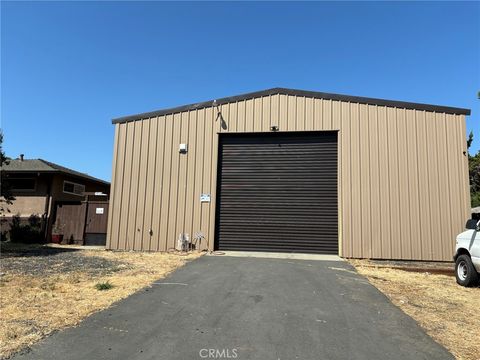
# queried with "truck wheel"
point(465, 271)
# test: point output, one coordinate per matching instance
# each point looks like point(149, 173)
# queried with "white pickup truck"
point(467, 254)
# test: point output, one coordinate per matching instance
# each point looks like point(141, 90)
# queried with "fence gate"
point(71, 219)
point(83, 223)
point(96, 223)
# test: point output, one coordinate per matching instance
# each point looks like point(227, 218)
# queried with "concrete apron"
point(272, 255)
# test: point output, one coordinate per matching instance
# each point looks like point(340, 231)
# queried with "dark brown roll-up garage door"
point(278, 192)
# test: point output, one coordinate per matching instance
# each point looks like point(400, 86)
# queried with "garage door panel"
point(278, 192)
point(274, 192)
point(275, 248)
point(304, 224)
point(287, 236)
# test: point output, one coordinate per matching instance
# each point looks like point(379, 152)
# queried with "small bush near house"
point(28, 233)
point(103, 286)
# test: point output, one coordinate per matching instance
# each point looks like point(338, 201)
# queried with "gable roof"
point(43, 166)
point(305, 93)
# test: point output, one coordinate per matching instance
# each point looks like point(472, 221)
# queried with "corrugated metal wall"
point(403, 177)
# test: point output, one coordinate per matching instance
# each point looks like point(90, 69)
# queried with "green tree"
point(470, 140)
point(6, 197)
point(474, 174)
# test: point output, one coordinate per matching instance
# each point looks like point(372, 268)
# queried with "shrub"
point(28, 233)
point(475, 199)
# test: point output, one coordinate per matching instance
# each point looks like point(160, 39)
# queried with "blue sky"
point(68, 68)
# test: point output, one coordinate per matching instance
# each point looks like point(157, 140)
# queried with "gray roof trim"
point(68, 171)
point(305, 93)
point(47, 167)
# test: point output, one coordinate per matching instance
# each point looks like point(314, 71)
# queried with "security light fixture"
point(274, 128)
point(183, 148)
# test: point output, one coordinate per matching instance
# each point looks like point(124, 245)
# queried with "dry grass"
point(33, 305)
point(448, 312)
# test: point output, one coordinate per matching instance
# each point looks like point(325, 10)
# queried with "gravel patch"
point(50, 261)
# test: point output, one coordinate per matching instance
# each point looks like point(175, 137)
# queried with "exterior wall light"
point(183, 148)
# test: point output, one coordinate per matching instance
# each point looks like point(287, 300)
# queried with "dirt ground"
point(46, 289)
point(428, 292)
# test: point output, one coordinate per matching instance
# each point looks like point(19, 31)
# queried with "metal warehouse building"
point(293, 171)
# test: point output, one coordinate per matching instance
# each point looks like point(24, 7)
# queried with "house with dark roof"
point(40, 187)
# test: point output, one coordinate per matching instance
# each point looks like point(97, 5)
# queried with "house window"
point(23, 184)
point(73, 188)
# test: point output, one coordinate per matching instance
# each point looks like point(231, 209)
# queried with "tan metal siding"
point(213, 177)
point(159, 194)
point(151, 177)
point(336, 125)
point(412, 178)
point(174, 183)
point(374, 176)
point(423, 183)
point(345, 207)
point(125, 217)
point(182, 177)
point(198, 157)
point(190, 177)
point(356, 207)
point(140, 229)
point(166, 176)
point(403, 178)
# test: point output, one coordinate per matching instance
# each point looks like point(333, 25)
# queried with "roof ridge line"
point(45, 162)
point(295, 92)
point(66, 170)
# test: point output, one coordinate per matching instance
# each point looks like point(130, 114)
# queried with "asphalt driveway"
point(248, 308)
